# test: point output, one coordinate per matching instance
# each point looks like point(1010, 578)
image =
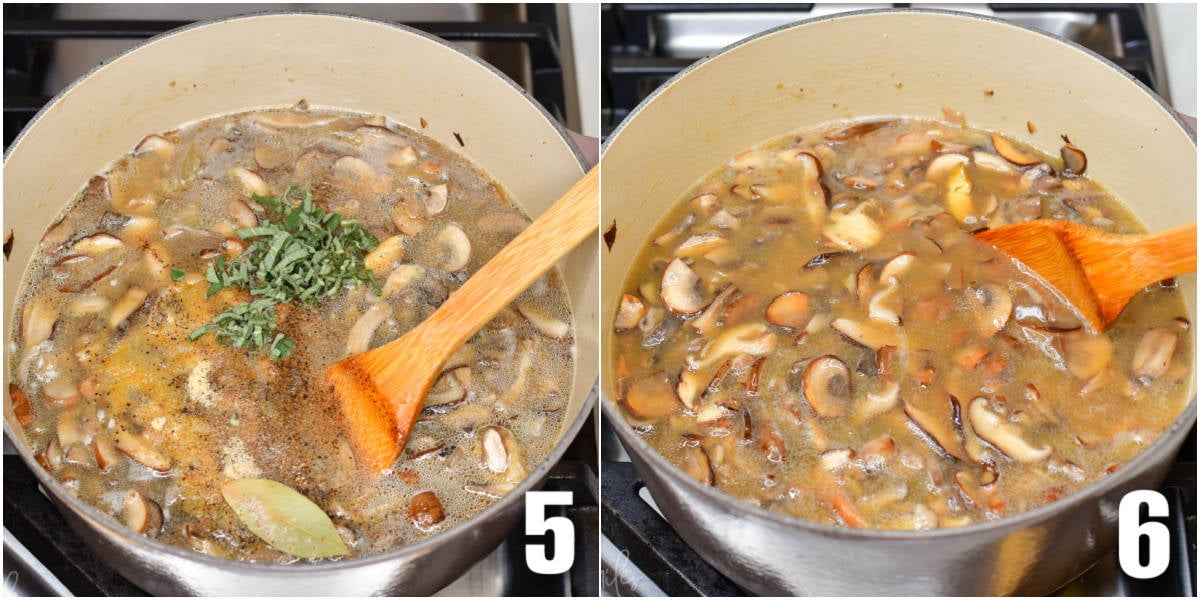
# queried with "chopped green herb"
point(233, 420)
point(300, 253)
point(177, 274)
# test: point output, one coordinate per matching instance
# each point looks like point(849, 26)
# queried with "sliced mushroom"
point(268, 155)
point(700, 244)
point(896, 266)
point(942, 166)
point(750, 339)
point(992, 306)
point(292, 118)
point(389, 251)
point(706, 322)
point(690, 387)
point(1005, 436)
point(136, 447)
point(359, 339)
point(826, 386)
point(402, 157)
point(502, 454)
point(886, 304)
point(425, 510)
point(833, 460)
point(20, 404)
point(445, 394)
point(104, 451)
point(129, 302)
point(38, 320)
point(1085, 354)
point(880, 401)
point(250, 181)
point(939, 426)
point(97, 244)
point(61, 393)
point(678, 289)
point(651, 398)
point(142, 514)
point(695, 462)
point(455, 248)
point(400, 278)
point(242, 214)
point(813, 196)
point(770, 443)
point(1153, 354)
point(958, 190)
point(546, 324)
point(1011, 153)
point(789, 310)
point(1074, 160)
point(630, 313)
point(878, 451)
point(854, 230)
point(993, 163)
point(846, 510)
point(873, 334)
point(154, 144)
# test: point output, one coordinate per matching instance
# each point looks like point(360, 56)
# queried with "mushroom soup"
point(176, 322)
point(812, 329)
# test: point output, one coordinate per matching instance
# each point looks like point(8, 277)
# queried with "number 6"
point(536, 523)
point(1130, 531)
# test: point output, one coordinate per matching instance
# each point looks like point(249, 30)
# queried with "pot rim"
point(1165, 442)
point(108, 525)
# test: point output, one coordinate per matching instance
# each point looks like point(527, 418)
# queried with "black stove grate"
point(30, 29)
point(635, 60)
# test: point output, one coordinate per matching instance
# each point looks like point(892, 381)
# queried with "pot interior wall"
point(892, 64)
point(276, 60)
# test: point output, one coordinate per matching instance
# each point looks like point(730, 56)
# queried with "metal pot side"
point(266, 60)
point(894, 63)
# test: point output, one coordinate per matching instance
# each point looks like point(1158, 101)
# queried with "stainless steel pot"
point(902, 63)
point(275, 60)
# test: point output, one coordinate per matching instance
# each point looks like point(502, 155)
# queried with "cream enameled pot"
point(275, 60)
point(893, 63)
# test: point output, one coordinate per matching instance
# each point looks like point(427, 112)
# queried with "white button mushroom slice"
point(691, 387)
point(290, 119)
point(547, 325)
point(834, 460)
point(775, 193)
point(95, 245)
point(942, 166)
point(873, 334)
point(651, 398)
point(455, 248)
point(389, 251)
point(882, 305)
point(446, 390)
point(854, 230)
point(790, 310)
point(363, 330)
point(826, 386)
point(939, 424)
point(242, 214)
point(250, 181)
point(268, 155)
point(992, 305)
point(62, 392)
point(958, 190)
point(502, 454)
point(402, 277)
point(1009, 151)
point(630, 313)
point(154, 144)
point(436, 202)
point(993, 163)
point(812, 194)
point(724, 220)
point(141, 514)
point(897, 266)
point(879, 401)
point(38, 319)
point(1085, 354)
point(678, 289)
point(363, 176)
point(129, 302)
point(750, 339)
point(697, 465)
point(711, 413)
point(402, 157)
point(708, 320)
point(137, 448)
point(69, 429)
point(104, 451)
point(1005, 436)
point(1153, 354)
point(700, 244)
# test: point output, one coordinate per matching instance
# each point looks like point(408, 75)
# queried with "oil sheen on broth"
point(813, 330)
point(128, 414)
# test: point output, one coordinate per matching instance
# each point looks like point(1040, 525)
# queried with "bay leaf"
point(284, 518)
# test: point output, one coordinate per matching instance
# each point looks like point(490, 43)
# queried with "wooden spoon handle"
point(515, 267)
point(1167, 253)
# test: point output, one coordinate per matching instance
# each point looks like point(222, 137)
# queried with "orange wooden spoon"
point(381, 391)
point(1096, 271)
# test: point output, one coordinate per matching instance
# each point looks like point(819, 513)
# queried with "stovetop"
point(644, 46)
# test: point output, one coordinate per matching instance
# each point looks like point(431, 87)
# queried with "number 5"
point(1130, 531)
point(536, 523)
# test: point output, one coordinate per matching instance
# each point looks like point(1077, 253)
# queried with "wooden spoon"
point(1096, 271)
point(381, 391)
